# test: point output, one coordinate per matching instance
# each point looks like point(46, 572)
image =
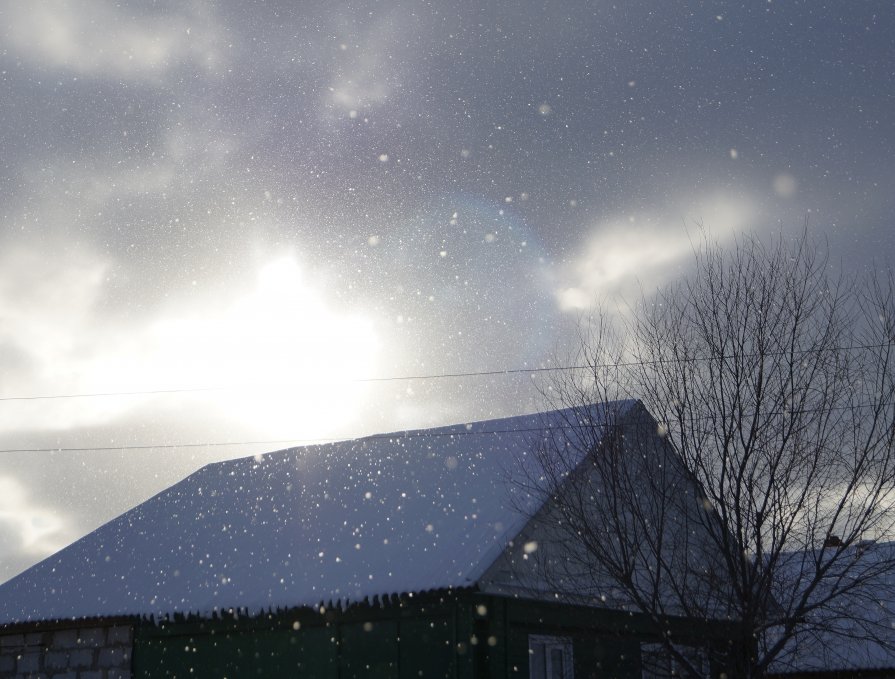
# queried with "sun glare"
point(286, 358)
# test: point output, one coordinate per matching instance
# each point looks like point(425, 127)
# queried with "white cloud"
point(367, 69)
point(49, 332)
point(642, 249)
point(98, 38)
point(45, 303)
point(617, 256)
point(28, 529)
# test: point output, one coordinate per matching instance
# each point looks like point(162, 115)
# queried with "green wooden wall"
point(408, 639)
point(460, 635)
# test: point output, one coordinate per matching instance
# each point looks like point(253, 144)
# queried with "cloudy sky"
point(224, 217)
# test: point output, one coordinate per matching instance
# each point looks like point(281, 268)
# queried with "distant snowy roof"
point(405, 512)
point(856, 631)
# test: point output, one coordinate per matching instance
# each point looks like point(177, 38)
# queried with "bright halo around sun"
point(290, 363)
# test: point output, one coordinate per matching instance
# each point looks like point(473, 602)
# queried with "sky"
point(238, 221)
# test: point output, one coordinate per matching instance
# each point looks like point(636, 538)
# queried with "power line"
point(360, 380)
point(435, 432)
point(161, 446)
point(438, 376)
point(422, 433)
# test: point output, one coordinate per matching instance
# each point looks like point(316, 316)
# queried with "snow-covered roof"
point(855, 631)
point(404, 512)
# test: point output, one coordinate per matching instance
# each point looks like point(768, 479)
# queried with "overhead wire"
point(421, 433)
point(435, 432)
point(436, 376)
point(404, 434)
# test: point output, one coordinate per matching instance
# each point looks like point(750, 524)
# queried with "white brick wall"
point(77, 653)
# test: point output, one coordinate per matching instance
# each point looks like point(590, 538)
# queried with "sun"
point(290, 362)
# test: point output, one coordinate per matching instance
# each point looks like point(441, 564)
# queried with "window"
point(550, 657)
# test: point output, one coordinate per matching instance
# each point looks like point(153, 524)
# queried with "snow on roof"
point(856, 631)
point(404, 512)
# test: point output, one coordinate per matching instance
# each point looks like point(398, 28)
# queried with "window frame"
point(547, 643)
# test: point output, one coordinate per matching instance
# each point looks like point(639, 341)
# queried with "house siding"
point(449, 635)
point(405, 638)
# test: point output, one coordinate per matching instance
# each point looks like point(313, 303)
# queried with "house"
point(854, 636)
point(398, 555)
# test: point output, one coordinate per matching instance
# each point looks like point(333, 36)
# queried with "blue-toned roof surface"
point(855, 631)
point(404, 512)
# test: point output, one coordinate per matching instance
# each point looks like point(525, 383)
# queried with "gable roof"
point(404, 512)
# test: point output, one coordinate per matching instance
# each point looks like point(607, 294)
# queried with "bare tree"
point(772, 387)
